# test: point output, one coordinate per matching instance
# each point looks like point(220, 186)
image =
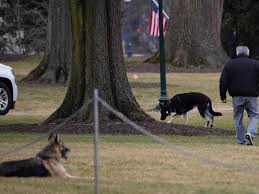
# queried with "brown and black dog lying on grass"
point(45, 163)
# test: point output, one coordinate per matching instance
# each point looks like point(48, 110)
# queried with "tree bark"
point(55, 66)
point(193, 37)
point(193, 34)
point(97, 63)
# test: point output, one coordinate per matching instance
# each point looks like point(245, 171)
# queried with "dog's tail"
point(212, 111)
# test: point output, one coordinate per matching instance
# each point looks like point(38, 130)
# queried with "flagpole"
point(163, 91)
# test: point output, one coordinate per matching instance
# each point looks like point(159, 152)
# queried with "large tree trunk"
point(193, 37)
point(55, 67)
point(97, 63)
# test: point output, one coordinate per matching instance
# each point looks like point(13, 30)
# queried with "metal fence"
point(173, 147)
point(97, 100)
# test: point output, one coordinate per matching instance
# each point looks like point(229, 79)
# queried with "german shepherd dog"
point(184, 102)
point(45, 163)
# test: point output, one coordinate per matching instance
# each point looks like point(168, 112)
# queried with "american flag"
point(154, 20)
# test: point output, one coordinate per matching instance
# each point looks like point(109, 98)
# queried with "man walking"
point(240, 78)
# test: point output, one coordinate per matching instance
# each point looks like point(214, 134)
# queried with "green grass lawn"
point(133, 164)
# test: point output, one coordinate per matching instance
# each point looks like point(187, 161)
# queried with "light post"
point(163, 91)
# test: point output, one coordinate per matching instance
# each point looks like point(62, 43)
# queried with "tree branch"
point(36, 12)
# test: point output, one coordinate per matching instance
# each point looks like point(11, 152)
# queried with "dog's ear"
point(53, 137)
point(166, 102)
point(56, 140)
point(160, 104)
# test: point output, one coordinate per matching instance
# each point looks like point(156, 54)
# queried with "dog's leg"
point(207, 124)
point(49, 167)
point(185, 117)
point(70, 176)
point(212, 120)
point(77, 177)
point(57, 169)
point(174, 117)
point(209, 119)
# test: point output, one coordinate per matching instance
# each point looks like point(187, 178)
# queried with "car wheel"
point(5, 99)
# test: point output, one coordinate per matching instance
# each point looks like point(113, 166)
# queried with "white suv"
point(8, 89)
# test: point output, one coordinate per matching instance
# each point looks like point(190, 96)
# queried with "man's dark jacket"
point(239, 77)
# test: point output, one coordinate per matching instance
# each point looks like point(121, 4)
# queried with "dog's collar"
point(38, 158)
point(44, 158)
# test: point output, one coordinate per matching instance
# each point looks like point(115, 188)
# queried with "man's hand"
point(224, 100)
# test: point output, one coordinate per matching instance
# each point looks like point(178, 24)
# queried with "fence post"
point(96, 141)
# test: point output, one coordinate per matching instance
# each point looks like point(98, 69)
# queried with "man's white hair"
point(242, 50)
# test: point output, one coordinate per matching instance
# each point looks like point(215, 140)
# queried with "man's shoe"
point(242, 143)
point(249, 139)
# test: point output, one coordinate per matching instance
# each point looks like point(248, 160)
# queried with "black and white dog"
point(184, 102)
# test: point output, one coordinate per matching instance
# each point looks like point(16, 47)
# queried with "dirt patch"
point(155, 127)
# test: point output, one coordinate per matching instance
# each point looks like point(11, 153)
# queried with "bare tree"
point(34, 20)
point(55, 66)
point(97, 63)
point(23, 26)
point(193, 37)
